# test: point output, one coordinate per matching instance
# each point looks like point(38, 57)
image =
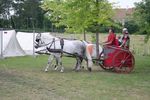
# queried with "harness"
point(50, 45)
point(56, 50)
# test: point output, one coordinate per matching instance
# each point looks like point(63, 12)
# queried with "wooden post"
point(84, 36)
point(1, 41)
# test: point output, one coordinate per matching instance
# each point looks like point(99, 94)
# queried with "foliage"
point(142, 16)
point(29, 13)
point(5, 6)
point(23, 14)
point(78, 15)
point(132, 26)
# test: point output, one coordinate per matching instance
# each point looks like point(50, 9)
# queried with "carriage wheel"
point(123, 62)
point(104, 67)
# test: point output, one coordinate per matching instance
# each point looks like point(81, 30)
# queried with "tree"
point(132, 26)
point(28, 14)
point(79, 15)
point(5, 8)
point(142, 16)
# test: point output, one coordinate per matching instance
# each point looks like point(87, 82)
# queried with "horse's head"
point(38, 37)
point(38, 41)
point(43, 39)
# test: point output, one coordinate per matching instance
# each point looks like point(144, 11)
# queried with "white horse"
point(53, 45)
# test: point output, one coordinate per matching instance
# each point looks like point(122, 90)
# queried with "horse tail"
point(88, 53)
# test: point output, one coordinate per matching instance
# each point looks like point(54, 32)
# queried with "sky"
point(124, 3)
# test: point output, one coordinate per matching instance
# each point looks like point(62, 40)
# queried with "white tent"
point(9, 45)
point(26, 41)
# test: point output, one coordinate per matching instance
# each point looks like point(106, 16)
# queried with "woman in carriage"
point(124, 41)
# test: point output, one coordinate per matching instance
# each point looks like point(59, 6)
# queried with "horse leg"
point(89, 60)
point(79, 60)
point(60, 63)
point(57, 61)
point(89, 65)
point(76, 64)
point(49, 62)
point(62, 68)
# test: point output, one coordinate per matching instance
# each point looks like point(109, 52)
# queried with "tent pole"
point(33, 43)
point(1, 35)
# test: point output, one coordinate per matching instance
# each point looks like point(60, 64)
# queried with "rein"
point(50, 43)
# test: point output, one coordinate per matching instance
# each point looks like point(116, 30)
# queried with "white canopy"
point(26, 41)
point(9, 45)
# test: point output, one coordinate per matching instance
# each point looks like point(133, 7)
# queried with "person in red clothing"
point(111, 40)
point(125, 39)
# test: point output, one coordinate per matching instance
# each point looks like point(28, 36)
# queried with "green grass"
point(23, 78)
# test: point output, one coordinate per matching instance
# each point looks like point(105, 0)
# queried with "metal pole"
point(1, 35)
point(33, 43)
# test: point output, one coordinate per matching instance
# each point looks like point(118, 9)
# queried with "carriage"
point(116, 59)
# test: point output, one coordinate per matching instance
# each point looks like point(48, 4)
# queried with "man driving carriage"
point(111, 40)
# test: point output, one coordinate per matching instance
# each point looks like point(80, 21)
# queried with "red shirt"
point(111, 39)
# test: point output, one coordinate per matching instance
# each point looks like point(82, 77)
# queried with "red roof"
point(122, 13)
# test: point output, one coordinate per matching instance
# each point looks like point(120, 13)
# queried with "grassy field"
point(23, 78)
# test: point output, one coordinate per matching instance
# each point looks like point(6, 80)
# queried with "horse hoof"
point(77, 70)
point(90, 69)
point(55, 69)
point(46, 70)
point(61, 71)
point(82, 67)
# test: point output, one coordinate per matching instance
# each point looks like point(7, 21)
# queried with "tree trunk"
point(84, 36)
point(97, 34)
point(97, 45)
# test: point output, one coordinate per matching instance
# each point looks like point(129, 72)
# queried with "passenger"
point(111, 40)
point(125, 39)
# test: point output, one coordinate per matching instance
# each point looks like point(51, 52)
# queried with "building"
point(121, 14)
